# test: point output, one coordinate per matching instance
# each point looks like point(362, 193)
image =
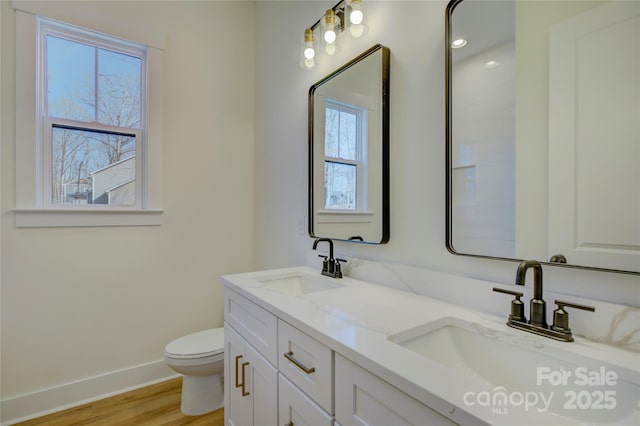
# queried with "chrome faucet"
point(537, 323)
point(537, 306)
point(330, 266)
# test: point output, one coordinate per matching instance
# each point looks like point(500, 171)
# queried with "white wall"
point(235, 189)
point(414, 31)
point(81, 302)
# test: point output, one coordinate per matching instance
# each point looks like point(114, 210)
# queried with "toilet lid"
point(197, 345)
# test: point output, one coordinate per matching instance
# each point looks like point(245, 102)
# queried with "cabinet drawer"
point(297, 408)
point(307, 363)
point(256, 325)
point(363, 398)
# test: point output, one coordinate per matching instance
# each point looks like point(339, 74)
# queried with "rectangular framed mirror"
point(349, 151)
point(543, 135)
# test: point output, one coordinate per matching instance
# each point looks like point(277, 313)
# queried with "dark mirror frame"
point(449, 159)
point(384, 142)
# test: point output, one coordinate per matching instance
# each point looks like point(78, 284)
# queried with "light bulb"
point(309, 62)
point(356, 15)
point(309, 53)
point(330, 36)
point(330, 22)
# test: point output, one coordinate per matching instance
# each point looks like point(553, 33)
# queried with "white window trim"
point(29, 211)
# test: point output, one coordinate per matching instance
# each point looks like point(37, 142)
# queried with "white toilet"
point(199, 357)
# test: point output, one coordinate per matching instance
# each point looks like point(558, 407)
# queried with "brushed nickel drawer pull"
point(244, 392)
point(237, 368)
point(289, 356)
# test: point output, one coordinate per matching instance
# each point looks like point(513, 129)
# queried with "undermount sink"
point(299, 284)
point(548, 379)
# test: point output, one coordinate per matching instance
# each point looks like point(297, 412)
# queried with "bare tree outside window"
point(91, 85)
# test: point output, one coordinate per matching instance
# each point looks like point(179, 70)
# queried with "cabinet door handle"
point(289, 356)
point(237, 368)
point(244, 392)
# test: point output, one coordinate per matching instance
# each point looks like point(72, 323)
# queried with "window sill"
point(341, 216)
point(42, 218)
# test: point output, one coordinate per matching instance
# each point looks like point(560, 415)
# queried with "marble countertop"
point(357, 318)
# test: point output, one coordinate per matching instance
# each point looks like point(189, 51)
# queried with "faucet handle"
point(337, 269)
point(517, 294)
point(517, 306)
point(561, 317)
point(325, 263)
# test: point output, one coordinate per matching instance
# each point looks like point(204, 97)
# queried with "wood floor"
point(153, 405)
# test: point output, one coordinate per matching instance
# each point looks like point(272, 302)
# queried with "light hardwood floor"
point(153, 405)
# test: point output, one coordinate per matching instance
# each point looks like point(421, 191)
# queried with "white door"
point(594, 137)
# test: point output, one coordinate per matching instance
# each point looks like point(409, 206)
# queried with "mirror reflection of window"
point(344, 156)
point(348, 151)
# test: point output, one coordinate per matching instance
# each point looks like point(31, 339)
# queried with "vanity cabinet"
point(257, 343)
point(364, 399)
point(276, 374)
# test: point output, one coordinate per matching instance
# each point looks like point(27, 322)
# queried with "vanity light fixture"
point(309, 60)
point(331, 24)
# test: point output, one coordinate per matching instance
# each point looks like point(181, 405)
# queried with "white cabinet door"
point(237, 408)
point(296, 408)
point(251, 384)
point(364, 399)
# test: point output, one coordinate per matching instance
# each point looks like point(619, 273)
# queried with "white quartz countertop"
point(357, 318)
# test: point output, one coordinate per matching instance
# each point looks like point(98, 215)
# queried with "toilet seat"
point(202, 344)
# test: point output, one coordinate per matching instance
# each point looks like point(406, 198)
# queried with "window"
point(88, 123)
point(344, 157)
point(92, 117)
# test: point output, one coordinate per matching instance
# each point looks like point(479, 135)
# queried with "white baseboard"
point(46, 401)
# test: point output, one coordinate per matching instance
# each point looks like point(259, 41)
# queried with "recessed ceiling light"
point(491, 64)
point(458, 43)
